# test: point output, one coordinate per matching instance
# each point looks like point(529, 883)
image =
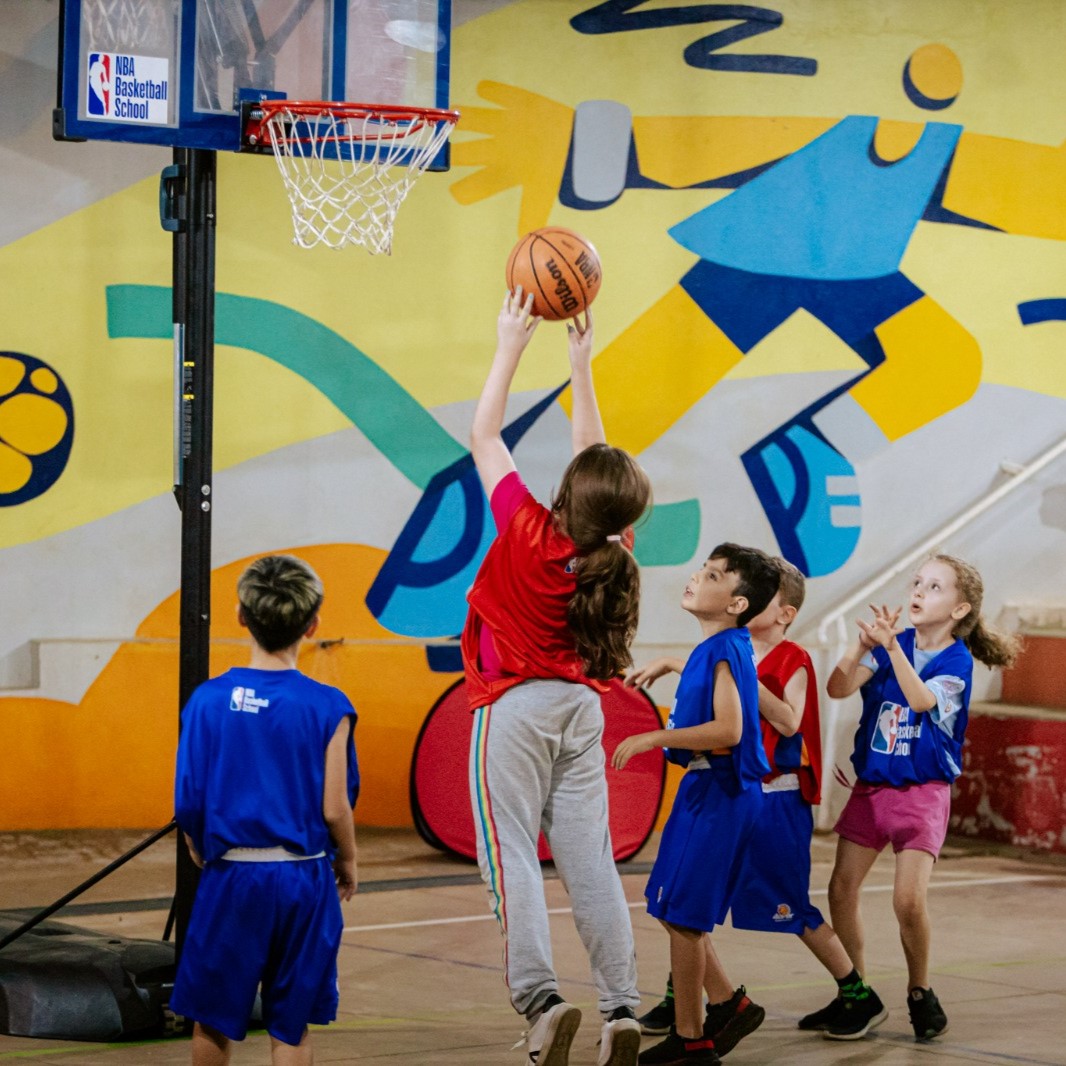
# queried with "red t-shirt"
point(800, 754)
point(516, 628)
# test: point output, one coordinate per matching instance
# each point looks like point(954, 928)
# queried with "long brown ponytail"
point(987, 645)
point(603, 492)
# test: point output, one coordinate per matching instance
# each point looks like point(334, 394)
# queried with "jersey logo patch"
point(783, 913)
point(894, 731)
point(245, 699)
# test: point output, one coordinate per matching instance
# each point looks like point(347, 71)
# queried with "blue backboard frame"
point(191, 127)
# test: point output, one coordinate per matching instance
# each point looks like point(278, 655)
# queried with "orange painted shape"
point(109, 761)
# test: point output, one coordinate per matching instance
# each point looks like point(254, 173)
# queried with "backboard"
point(174, 72)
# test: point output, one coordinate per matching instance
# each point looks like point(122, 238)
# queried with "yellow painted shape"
point(44, 380)
point(980, 277)
point(651, 374)
point(933, 365)
point(936, 72)
point(683, 150)
point(894, 140)
point(15, 469)
point(1009, 184)
point(117, 746)
point(32, 423)
point(12, 372)
point(800, 345)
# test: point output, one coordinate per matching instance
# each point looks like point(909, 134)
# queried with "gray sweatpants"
point(537, 763)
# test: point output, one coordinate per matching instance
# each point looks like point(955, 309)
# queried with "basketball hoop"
point(347, 167)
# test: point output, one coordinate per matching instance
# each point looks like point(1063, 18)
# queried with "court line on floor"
point(489, 917)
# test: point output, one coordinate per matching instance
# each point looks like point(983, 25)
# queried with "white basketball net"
point(346, 174)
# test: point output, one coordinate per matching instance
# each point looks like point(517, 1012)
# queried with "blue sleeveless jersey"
point(694, 701)
point(252, 762)
point(897, 746)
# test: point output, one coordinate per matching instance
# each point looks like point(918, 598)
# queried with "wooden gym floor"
point(421, 975)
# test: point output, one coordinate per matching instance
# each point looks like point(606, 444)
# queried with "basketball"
point(559, 267)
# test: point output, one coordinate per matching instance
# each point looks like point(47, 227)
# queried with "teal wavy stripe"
point(392, 420)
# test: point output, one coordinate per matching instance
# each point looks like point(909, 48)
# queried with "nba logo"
point(236, 699)
point(98, 100)
point(888, 722)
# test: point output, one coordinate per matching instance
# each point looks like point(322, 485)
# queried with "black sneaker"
point(676, 1051)
point(658, 1020)
point(728, 1023)
point(858, 1015)
point(927, 1016)
point(824, 1018)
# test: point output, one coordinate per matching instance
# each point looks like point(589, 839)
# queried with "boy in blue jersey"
point(714, 732)
point(777, 863)
point(266, 780)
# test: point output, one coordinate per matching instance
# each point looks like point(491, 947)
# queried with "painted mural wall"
point(834, 307)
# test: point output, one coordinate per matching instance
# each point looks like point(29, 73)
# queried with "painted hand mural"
point(819, 219)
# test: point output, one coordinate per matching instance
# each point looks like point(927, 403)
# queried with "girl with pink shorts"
point(915, 686)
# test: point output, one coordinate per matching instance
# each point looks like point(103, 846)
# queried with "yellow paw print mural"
point(36, 427)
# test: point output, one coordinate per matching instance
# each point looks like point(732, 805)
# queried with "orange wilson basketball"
point(559, 267)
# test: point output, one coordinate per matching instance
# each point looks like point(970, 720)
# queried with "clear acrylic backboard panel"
point(173, 72)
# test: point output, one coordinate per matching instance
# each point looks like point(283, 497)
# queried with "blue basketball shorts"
point(275, 924)
point(697, 868)
point(774, 890)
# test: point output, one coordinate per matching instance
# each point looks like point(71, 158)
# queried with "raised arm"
point(337, 811)
point(848, 676)
point(586, 426)
point(514, 328)
point(883, 631)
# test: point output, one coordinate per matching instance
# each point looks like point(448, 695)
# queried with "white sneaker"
point(619, 1043)
point(548, 1042)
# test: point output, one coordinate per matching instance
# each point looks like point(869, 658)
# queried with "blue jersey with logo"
point(897, 746)
point(252, 762)
point(694, 701)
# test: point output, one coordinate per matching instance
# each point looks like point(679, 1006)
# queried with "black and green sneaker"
point(927, 1016)
point(821, 1019)
point(858, 1015)
point(659, 1019)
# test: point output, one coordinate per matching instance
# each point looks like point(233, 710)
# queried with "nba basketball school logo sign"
point(894, 731)
point(124, 88)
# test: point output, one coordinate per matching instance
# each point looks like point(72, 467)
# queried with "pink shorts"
point(913, 818)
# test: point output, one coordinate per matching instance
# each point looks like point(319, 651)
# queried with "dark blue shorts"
point(774, 892)
point(748, 307)
point(697, 869)
point(277, 924)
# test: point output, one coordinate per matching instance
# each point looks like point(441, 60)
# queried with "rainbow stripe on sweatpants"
point(492, 868)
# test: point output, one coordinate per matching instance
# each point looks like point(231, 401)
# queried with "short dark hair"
point(793, 587)
point(759, 576)
point(279, 596)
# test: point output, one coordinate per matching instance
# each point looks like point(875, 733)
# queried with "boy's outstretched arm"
point(337, 811)
point(586, 425)
point(514, 328)
point(723, 732)
point(640, 676)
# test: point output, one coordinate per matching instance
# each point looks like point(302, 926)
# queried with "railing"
point(834, 622)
